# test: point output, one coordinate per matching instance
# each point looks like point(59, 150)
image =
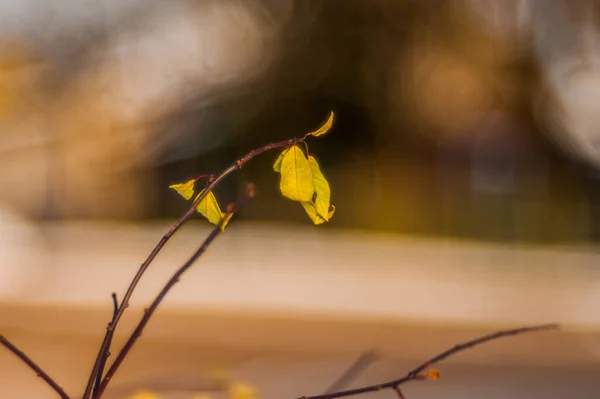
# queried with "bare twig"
point(148, 312)
point(357, 368)
point(416, 374)
point(110, 329)
point(38, 370)
point(107, 353)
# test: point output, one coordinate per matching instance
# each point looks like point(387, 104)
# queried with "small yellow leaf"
point(325, 127)
point(331, 212)
point(320, 209)
point(277, 164)
point(209, 208)
point(186, 190)
point(296, 176)
point(433, 374)
point(311, 211)
point(242, 391)
point(144, 395)
point(322, 189)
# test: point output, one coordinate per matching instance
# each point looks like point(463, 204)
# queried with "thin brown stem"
point(416, 374)
point(110, 329)
point(38, 370)
point(399, 392)
point(148, 312)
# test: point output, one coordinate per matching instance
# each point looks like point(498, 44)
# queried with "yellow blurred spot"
point(242, 391)
point(144, 395)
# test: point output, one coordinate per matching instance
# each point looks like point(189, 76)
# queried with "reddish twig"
point(148, 312)
point(416, 374)
point(110, 329)
point(38, 370)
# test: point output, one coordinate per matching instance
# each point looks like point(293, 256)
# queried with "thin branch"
point(416, 373)
point(479, 341)
point(399, 392)
point(357, 368)
point(107, 353)
point(110, 329)
point(40, 373)
point(148, 312)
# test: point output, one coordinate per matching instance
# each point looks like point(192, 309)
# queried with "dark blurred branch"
point(416, 374)
point(40, 373)
point(357, 368)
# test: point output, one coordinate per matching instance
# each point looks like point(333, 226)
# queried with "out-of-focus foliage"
point(462, 118)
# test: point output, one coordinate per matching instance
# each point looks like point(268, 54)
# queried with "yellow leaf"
point(322, 190)
point(209, 208)
point(144, 395)
point(186, 190)
point(324, 128)
point(202, 396)
point(320, 209)
point(242, 391)
point(331, 212)
point(311, 211)
point(296, 177)
point(277, 164)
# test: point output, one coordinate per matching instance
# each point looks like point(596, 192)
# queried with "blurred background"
point(464, 164)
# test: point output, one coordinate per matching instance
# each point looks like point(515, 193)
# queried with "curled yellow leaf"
point(277, 164)
point(311, 211)
point(325, 127)
point(319, 209)
point(186, 190)
point(296, 176)
point(209, 208)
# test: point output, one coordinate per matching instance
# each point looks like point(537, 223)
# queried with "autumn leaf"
point(296, 176)
point(311, 211)
point(186, 190)
point(319, 209)
point(209, 208)
point(324, 128)
point(277, 164)
point(322, 189)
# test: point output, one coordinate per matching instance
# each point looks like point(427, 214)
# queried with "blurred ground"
point(289, 319)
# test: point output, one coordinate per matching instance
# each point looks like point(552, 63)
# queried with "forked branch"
point(110, 329)
point(148, 312)
point(417, 373)
point(38, 370)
